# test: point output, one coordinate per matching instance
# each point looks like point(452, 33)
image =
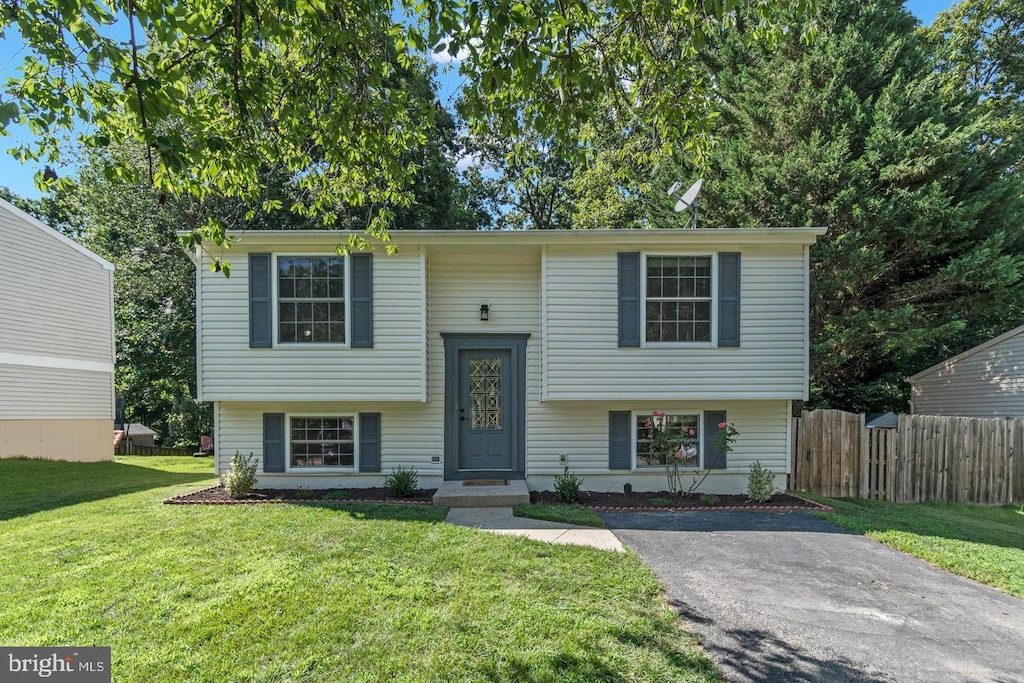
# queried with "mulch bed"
point(665, 501)
point(620, 502)
point(215, 495)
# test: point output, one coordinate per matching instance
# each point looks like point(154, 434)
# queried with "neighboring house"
point(56, 344)
point(138, 434)
point(986, 381)
point(504, 354)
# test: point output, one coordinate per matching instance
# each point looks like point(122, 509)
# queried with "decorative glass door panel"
point(485, 393)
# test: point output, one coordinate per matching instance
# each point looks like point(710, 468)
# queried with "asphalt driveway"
point(789, 597)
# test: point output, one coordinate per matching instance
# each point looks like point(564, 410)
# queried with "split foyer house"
point(505, 354)
point(56, 344)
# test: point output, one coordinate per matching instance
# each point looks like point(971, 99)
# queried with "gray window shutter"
point(369, 442)
point(620, 440)
point(260, 317)
point(273, 442)
point(629, 299)
point(729, 299)
point(713, 460)
point(362, 301)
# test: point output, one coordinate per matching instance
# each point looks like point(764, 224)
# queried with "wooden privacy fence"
point(133, 449)
point(926, 457)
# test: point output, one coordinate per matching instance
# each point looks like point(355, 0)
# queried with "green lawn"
point(569, 514)
point(982, 543)
point(311, 592)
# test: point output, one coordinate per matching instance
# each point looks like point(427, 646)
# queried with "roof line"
point(966, 354)
point(39, 225)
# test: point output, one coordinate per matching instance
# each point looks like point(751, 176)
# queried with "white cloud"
point(468, 161)
point(445, 57)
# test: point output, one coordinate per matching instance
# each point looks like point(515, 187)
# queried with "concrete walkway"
point(788, 597)
point(501, 521)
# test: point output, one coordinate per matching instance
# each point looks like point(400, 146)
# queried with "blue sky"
point(18, 177)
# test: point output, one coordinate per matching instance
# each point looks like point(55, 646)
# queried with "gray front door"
point(485, 409)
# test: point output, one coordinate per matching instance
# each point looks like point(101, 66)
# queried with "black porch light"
point(485, 312)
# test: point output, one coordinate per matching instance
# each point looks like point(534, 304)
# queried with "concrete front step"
point(454, 494)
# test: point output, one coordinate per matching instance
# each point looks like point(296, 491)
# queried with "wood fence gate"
point(926, 457)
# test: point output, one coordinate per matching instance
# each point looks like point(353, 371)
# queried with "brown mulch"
point(664, 500)
point(216, 495)
point(635, 502)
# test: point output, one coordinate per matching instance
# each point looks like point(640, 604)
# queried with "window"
point(311, 299)
point(682, 431)
point(321, 442)
point(678, 299)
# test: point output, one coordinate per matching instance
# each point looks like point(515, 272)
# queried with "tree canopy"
point(217, 90)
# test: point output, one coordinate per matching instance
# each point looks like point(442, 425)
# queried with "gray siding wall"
point(393, 370)
point(56, 301)
point(989, 383)
point(34, 393)
point(584, 362)
point(56, 326)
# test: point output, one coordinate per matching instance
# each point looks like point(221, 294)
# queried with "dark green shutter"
point(713, 460)
point(620, 441)
point(273, 442)
point(369, 442)
point(629, 299)
point(260, 317)
point(362, 301)
point(729, 299)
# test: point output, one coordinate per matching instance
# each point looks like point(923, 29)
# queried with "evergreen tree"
point(924, 211)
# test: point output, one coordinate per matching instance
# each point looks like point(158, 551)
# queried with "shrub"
point(760, 484)
point(240, 480)
point(659, 502)
point(337, 495)
point(402, 482)
point(304, 493)
point(709, 499)
point(567, 486)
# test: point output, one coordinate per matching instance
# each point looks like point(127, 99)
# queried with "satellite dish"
point(689, 197)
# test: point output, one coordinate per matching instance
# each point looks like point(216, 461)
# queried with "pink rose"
point(658, 413)
point(647, 423)
point(721, 425)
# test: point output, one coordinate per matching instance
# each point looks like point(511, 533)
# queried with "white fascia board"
point(55, 363)
point(39, 225)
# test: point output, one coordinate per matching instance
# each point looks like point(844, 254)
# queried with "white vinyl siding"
point(509, 283)
point(411, 434)
point(583, 360)
point(988, 383)
point(408, 436)
point(390, 371)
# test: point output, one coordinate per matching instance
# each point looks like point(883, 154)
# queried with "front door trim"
point(456, 342)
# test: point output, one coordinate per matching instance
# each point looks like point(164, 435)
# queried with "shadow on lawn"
point(28, 486)
point(751, 656)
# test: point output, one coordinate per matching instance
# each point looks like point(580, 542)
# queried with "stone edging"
point(190, 499)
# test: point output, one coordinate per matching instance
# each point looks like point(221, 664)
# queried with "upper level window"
point(678, 299)
point(311, 299)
